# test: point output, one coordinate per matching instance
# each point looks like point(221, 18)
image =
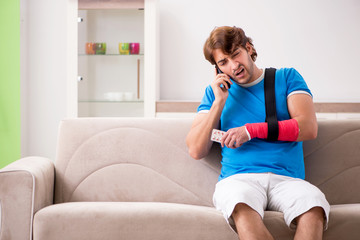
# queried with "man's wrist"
point(219, 102)
point(257, 130)
point(248, 134)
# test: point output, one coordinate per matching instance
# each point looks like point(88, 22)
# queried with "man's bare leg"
point(310, 225)
point(249, 224)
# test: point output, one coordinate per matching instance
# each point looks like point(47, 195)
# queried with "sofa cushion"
point(344, 222)
point(332, 160)
point(139, 220)
point(126, 160)
point(120, 152)
point(130, 220)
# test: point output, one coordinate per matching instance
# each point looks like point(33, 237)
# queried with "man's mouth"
point(239, 72)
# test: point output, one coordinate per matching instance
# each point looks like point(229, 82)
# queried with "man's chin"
point(240, 81)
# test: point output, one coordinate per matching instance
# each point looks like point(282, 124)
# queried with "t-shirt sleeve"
point(206, 101)
point(296, 83)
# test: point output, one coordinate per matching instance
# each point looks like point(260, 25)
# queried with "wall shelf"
point(95, 75)
point(191, 106)
point(117, 55)
point(112, 74)
point(111, 4)
point(108, 101)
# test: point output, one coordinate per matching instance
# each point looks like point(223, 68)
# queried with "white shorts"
point(268, 191)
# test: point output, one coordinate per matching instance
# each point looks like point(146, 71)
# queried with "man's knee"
point(249, 223)
point(243, 209)
point(314, 215)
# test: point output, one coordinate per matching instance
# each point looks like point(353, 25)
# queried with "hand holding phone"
point(220, 72)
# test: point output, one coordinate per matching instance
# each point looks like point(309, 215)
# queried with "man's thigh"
point(241, 188)
point(293, 197)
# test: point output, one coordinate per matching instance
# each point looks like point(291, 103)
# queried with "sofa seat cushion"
point(344, 222)
point(130, 220)
point(150, 220)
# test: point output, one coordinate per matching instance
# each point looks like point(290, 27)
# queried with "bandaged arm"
point(302, 110)
point(288, 130)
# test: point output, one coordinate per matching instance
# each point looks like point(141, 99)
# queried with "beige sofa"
point(133, 179)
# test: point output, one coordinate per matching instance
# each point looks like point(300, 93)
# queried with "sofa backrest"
point(127, 159)
point(140, 159)
point(332, 160)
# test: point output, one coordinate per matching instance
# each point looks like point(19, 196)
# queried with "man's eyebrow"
point(236, 51)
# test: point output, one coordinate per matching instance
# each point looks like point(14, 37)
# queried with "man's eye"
point(222, 63)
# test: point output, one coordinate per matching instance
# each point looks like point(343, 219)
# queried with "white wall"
point(44, 74)
point(319, 38)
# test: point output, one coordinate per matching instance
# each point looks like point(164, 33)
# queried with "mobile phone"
point(218, 72)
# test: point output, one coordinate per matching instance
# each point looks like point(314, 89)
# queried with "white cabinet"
point(113, 84)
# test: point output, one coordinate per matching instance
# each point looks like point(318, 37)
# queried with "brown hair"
point(228, 39)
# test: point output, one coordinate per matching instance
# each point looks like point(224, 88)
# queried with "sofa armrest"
point(26, 186)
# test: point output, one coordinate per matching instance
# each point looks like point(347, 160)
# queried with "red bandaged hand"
point(288, 130)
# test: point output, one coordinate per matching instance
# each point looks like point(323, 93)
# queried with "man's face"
point(238, 65)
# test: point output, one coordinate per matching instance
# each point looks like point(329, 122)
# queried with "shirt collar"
point(246, 85)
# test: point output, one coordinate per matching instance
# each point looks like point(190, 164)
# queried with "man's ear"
point(249, 48)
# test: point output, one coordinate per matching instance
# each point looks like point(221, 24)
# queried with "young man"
point(257, 174)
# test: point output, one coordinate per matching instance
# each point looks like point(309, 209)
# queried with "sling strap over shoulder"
point(270, 104)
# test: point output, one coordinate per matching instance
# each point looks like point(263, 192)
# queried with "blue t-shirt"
point(247, 105)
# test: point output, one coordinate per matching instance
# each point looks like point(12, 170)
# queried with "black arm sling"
point(270, 104)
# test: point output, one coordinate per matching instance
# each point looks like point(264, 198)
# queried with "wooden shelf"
point(108, 101)
point(188, 106)
point(111, 4)
point(111, 54)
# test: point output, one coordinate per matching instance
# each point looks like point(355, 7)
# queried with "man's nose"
point(233, 64)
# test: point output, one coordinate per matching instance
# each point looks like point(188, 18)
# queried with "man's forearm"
point(288, 130)
point(198, 139)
